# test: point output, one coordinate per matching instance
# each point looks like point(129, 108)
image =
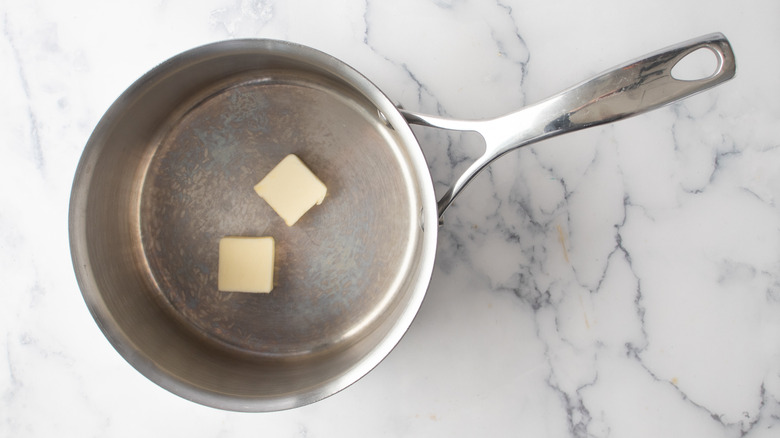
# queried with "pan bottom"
point(338, 269)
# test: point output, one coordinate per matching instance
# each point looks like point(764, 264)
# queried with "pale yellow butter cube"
point(291, 189)
point(246, 264)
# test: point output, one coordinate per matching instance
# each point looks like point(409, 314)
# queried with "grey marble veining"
point(619, 281)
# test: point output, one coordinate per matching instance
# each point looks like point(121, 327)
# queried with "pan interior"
point(338, 269)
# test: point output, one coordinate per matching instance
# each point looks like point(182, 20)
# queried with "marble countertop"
point(622, 281)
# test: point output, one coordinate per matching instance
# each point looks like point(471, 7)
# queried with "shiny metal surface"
point(624, 91)
point(337, 268)
point(170, 169)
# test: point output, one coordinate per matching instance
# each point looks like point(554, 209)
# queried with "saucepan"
point(169, 171)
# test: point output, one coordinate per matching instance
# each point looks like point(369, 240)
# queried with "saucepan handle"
point(624, 91)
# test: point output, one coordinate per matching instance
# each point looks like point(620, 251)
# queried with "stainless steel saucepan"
point(169, 170)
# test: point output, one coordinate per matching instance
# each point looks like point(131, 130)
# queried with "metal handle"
point(624, 91)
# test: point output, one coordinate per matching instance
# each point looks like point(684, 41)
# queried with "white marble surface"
point(618, 282)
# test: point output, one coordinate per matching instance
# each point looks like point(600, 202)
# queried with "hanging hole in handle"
point(700, 64)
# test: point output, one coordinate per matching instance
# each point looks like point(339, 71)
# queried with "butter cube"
point(291, 189)
point(246, 264)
